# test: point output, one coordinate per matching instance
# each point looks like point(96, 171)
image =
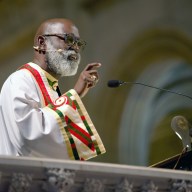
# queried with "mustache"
point(66, 54)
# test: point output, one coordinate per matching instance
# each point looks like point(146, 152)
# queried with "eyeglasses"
point(70, 39)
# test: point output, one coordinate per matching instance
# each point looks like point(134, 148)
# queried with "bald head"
point(58, 26)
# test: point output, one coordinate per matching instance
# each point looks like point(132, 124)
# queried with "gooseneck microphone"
point(117, 83)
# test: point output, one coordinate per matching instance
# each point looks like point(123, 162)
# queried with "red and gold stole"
point(77, 129)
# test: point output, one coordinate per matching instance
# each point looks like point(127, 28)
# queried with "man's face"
point(62, 63)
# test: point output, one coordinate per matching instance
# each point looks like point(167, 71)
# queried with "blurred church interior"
point(138, 41)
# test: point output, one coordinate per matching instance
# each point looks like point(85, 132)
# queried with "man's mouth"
point(73, 57)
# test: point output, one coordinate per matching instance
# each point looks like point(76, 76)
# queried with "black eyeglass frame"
point(75, 40)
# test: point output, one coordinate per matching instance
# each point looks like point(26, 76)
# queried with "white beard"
point(59, 63)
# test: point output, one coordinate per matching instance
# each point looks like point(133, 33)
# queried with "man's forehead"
point(61, 28)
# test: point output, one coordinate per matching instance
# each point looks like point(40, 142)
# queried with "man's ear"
point(41, 43)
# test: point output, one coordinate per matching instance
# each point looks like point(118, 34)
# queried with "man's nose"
point(75, 47)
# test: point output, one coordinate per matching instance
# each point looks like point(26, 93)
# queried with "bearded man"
point(35, 118)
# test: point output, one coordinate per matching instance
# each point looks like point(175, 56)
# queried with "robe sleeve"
point(61, 129)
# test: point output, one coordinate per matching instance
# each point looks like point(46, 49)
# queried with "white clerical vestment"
point(35, 121)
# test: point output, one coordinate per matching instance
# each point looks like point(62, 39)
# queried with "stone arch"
point(161, 57)
point(145, 108)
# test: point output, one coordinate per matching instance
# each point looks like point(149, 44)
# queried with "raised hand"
point(87, 79)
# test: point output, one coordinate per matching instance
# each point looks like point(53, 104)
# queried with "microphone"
point(117, 83)
point(39, 49)
point(180, 125)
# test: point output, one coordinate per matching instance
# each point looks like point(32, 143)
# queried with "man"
point(35, 118)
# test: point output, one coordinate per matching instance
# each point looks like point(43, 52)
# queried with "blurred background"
point(142, 40)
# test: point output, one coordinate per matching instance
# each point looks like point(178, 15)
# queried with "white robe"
point(35, 121)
